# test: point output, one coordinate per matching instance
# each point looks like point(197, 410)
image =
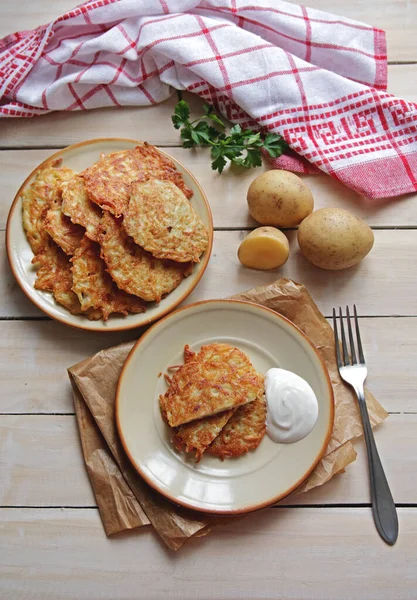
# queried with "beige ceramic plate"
point(78, 157)
point(239, 485)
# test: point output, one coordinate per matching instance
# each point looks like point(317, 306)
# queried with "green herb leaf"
point(239, 146)
point(186, 136)
point(208, 109)
point(235, 130)
point(209, 114)
point(181, 113)
point(253, 158)
point(218, 164)
point(274, 145)
point(205, 132)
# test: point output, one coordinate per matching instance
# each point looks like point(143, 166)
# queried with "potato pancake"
point(62, 230)
point(95, 288)
point(36, 199)
point(243, 432)
point(161, 220)
point(78, 207)
point(133, 269)
point(109, 180)
point(54, 275)
point(218, 378)
point(198, 435)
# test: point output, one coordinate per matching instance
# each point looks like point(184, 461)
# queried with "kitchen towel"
point(317, 79)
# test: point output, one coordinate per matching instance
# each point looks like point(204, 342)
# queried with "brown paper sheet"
point(125, 501)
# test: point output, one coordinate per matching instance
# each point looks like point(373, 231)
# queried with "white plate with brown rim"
point(236, 485)
point(78, 157)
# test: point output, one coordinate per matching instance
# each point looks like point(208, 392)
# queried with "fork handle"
point(383, 507)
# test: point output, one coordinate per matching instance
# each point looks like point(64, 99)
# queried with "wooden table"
point(323, 545)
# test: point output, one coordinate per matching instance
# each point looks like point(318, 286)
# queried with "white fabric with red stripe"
point(317, 79)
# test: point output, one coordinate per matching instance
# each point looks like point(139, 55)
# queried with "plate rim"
point(253, 507)
point(108, 328)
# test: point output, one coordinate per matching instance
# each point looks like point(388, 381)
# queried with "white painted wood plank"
point(34, 379)
point(13, 18)
point(227, 192)
point(34, 358)
point(58, 129)
point(63, 128)
point(383, 284)
point(287, 554)
point(390, 347)
point(42, 465)
point(397, 18)
point(41, 462)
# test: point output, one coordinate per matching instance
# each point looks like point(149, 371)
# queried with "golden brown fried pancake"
point(109, 180)
point(162, 221)
point(54, 275)
point(134, 270)
point(219, 378)
point(198, 435)
point(79, 208)
point(243, 432)
point(36, 199)
point(65, 234)
point(95, 288)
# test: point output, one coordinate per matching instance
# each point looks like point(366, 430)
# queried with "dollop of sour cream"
point(292, 407)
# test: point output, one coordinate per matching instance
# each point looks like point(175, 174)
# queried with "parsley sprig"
point(239, 146)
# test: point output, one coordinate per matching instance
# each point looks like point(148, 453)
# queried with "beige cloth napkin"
point(124, 500)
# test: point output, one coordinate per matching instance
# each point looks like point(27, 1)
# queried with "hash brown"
point(108, 181)
point(78, 207)
point(133, 269)
point(54, 275)
point(62, 230)
point(243, 431)
point(36, 199)
point(160, 219)
point(95, 288)
point(198, 435)
point(218, 378)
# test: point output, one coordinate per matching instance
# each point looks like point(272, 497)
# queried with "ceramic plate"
point(254, 480)
point(78, 157)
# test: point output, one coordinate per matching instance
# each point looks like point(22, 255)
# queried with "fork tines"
point(344, 359)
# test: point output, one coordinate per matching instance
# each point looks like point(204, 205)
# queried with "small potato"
point(334, 238)
point(264, 248)
point(279, 198)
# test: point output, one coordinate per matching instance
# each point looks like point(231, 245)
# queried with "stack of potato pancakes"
point(114, 237)
point(215, 402)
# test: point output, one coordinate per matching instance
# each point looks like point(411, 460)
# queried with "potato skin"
point(264, 248)
point(279, 198)
point(334, 239)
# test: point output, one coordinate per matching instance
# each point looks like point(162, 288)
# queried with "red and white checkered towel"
point(317, 79)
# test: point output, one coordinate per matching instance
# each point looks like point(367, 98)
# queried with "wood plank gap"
point(340, 505)
point(25, 319)
point(45, 414)
point(325, 316)
point(275, 506)
point(374, 227)
point(401, 62)
point(55, 147)
point(72, 414)
point(52, 506)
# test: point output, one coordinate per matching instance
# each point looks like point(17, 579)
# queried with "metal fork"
point(353, 370)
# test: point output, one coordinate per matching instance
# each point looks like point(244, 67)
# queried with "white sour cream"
point(292, 407)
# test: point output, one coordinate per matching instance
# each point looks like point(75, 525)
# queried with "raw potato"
point(264, 248)
point(279, 198)
point(334, 239)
